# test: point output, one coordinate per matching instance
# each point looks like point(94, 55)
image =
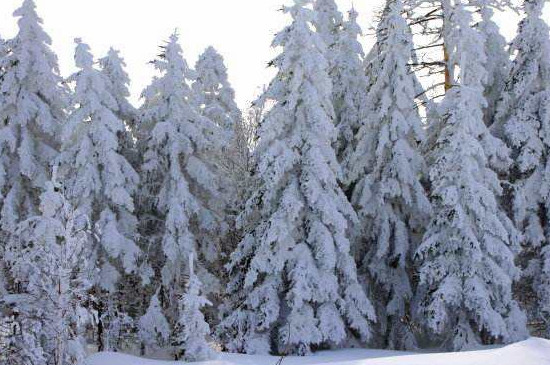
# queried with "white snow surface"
point(534, 351)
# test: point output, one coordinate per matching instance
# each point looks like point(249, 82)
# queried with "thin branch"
point(430, 89)
point(425, 20)
point(427, 64)
point(429, 46)
point(425, 102)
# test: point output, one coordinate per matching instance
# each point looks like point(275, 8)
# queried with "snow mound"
point(534, 351)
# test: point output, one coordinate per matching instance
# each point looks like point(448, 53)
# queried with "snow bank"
point(534, 351)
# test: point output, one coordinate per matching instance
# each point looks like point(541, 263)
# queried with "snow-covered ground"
point(534, 351)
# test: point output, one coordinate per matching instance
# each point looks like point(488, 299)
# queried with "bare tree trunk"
point(448, 80)
point(100, 327)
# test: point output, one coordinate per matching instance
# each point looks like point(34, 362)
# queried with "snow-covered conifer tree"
point(182, 197)
point(523, 119)
point(100, 181)
point(468, 252)
point(386, 170)
point(328, 21)
point(31, 110)
point(349, 89)
point(215, 99)
point(113, 66)
point(54, 256)
point(214, 95)
point(32, 107)
point(154, 330)
point(192, 329)
point(497, 65)
point(346, 70)
point(293, 281)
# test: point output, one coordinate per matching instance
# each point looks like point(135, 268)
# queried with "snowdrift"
point(534, 351)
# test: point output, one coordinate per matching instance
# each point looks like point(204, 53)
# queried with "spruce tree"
point(524, 121)
point(182, 199)
point(350, 85)
point(31, 110)
point(387, 167)
point(54, 256)
point(100, 181)
point(32, 104)
point(293, 282)
point(214, 95)
point(154, 330)
point(347, 72)
point(215, 99)
point(113, 67)
point(328, 22)
point(129, 306)
point(192, 330)
point(498, 62)
point(467, 254)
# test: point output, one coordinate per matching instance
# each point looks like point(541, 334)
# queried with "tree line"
point(352, 205)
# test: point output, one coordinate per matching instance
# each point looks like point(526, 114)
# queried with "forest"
point(393, 198)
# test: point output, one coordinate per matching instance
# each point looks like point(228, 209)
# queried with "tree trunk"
point(448, 80)
point(100, 327)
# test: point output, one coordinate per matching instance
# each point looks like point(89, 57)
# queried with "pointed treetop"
point(36, 82)
point(352, 15)
point(173, 43)
point(30, 24)
point(351, 27)
point(212, 91)
point(173, 54)
point(113, 57)
point(113, 66)
point(328, 20)
point(211, 52)
point(174, 37)
point(211, 68)
point(83, 56)
point(174, 69)
point(114, 53)
point(301, 16)
point(28, 8)
point(113, 62)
